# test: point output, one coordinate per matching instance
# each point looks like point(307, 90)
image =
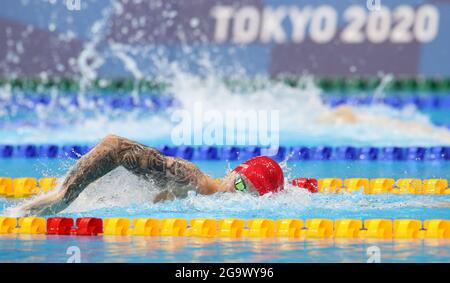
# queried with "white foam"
point(300, 118)
point(119, 188)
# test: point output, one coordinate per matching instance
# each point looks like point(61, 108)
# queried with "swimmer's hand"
point(41, 205)
point(22, 211)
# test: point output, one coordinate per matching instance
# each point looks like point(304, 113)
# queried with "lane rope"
point(162, 101)
point(317, 228)
point(231, 153)
point(27, 187)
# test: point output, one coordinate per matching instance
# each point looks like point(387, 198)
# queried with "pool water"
point(120, 194)
point(195, 78)
point(185, 249)
point(132, 198)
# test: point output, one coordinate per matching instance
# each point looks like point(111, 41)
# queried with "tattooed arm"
point(114, 151)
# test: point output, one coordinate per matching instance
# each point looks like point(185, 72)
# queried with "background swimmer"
point(346, 114)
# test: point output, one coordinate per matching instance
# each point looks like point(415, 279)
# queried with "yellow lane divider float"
point(239, 228)
point(26, 187)
point(384, 186)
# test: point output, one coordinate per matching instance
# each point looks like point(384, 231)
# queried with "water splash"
point(134, 200)
point(304, 118)
point(122, 194)
point(302, 110)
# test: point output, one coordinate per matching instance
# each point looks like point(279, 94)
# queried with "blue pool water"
point(121, 194)
point(183, 249)
point(301, 203)
point(49, 115)
point(118, 201)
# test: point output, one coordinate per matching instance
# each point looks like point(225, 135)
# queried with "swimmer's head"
point(260, 174)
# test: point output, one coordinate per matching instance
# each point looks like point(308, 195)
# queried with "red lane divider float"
point(86, 226)
point(59, 226)
point(310, 184)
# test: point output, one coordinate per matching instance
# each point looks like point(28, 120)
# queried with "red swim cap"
point(264, 173)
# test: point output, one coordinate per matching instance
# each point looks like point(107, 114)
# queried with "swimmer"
point(173, 176)
point(346, 114)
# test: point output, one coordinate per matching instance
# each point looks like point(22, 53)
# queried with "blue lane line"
point(241, 153)
point(124, 102)
point(160, 102)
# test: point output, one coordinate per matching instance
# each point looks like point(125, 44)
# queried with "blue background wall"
point(37, 36)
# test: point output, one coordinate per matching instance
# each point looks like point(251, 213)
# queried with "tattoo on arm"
point(150, 162)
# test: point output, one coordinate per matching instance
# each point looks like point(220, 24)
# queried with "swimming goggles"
point(239, 184)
